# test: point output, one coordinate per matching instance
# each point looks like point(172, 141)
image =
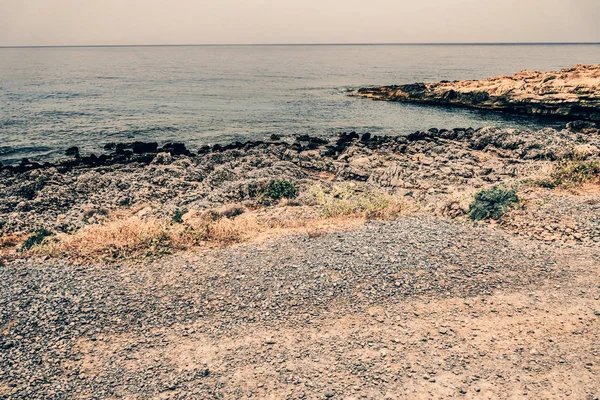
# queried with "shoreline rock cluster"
point(572, 93)
point(145, 152)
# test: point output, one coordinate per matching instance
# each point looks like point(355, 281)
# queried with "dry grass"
point(349, 199)
point(9, 243)
point(134, 236)
point(118, 238)
point(569, 174)
point(12, 240)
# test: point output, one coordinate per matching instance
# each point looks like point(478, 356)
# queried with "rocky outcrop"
point(572, 93)
point(427, 166)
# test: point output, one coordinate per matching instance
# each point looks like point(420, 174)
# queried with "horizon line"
point(300, 44)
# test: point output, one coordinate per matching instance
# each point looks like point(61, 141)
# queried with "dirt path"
point(414, 308)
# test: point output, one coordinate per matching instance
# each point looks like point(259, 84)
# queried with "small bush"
point(36, 238)
point(280, 189)
point(572, 174)
point(492, 203)
point(178, 216)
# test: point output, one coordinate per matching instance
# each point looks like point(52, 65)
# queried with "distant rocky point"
point(572, 93)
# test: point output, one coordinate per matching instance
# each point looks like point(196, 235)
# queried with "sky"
point(123, 22)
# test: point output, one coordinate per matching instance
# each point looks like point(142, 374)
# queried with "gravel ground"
point(418, 307)
point(558, 216)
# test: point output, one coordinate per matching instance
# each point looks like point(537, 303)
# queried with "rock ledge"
point(572, 93)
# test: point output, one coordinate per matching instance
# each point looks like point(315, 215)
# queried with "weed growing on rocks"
point(178, 216)
point(570, 174)
point(232, 211)
point(36, 238)
point(492, 203)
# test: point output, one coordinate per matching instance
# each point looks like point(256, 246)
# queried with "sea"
point(55, 98)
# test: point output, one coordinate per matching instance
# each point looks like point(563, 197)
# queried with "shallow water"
point(53, 98)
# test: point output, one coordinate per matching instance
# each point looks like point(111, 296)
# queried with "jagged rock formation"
point(572, 93)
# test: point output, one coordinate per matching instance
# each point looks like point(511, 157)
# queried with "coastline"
point(571, 93)
point(445, 263)
point(416, 301)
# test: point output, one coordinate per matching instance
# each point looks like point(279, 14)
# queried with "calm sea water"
point(53, 98)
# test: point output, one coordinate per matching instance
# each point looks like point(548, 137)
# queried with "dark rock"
point(72, 152)
point(417, 136)
point(145, 158)
point(177, 149)
point(252, 144)
point(121, 148)
point(233, 146)
point(90, 160)
point(313, 140)
point(347, 137)
point(204, 149)
point(578, 126)
point(142, 147)
point(303, 138)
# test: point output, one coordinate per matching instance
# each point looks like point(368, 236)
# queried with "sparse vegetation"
point(572, 173)
point(133, 237)
point(127, 237)
point(348, 199)
point(36, 238)
point(492, 203)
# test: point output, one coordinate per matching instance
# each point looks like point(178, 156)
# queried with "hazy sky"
point(80, 22)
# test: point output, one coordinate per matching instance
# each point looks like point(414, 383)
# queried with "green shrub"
point(280, 189)
point(492, 203)
point(178, 216)
point(36, 238)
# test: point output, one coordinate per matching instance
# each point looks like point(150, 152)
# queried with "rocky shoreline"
point(438, 170)
point(572, 93)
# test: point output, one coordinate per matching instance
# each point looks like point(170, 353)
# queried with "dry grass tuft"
point(12, 240)
point(9, 245)
point(349, 199)
point(119, 238)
